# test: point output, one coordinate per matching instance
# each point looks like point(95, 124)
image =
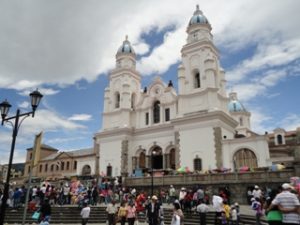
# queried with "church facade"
point(199, 126)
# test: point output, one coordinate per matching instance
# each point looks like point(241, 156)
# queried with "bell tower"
point(121, 95)
point(201, 79)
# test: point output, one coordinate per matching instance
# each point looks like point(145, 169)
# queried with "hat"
point(171, 186)
point(154, 197)
point(182, 188)
point(286, 186)
point(256, 187)
point(236, 204)
point(252, 199)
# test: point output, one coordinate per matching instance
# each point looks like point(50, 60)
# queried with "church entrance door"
point(157, 158)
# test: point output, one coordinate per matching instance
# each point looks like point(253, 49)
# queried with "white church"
point(199, 126)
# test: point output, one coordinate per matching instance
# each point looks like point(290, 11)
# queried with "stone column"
point(124, 158)
point(134, 163)
point(177, 149)
point(218, 147)
point(148, 165)
point(167, 161)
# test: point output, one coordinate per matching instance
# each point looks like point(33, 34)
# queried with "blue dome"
point(236, 106)
point(126, 47)
point(198, 17)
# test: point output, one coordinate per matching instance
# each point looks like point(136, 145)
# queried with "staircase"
point(71, 215)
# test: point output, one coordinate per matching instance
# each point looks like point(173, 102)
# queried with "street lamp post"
point(36, 97)
point(152, 181)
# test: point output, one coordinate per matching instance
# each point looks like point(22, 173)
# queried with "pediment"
point(63, 155)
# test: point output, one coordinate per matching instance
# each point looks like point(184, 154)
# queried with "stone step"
point(69, 215)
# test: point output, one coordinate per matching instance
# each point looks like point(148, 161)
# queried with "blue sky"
point(67, 48)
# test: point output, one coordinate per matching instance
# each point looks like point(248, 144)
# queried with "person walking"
point(45, 210)
point(273, 215)
point(289, 205)
point(202, 209)
point(131, 213)
point(152, 211)
point(122, 213)
point(111, 213)
point(172, 195)
point(85, 213)
point(256, 205)
point(178, 211)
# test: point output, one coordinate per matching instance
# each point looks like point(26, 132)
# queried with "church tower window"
point(147, 118)
point(133, 101)
point(197, 83)
point(167, 114)
point(117, 100)
point(156, 112)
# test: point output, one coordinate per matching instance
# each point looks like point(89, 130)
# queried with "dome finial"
point(126, 37)
point(198, 11)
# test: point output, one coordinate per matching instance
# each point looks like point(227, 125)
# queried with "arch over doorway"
point(245, 157)
point(86, 170)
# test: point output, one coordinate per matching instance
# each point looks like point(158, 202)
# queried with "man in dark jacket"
point(45, 209)
point(153, 211)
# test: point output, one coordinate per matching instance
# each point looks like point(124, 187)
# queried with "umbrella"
point(244, 169)
point(276, 167)
point(183, 169)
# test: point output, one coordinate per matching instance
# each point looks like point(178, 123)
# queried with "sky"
point(66, 48)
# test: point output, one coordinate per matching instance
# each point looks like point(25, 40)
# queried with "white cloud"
point(24, 105)
point(61, 42)
point(164, 55)
point(80, 117)
point(290, 122)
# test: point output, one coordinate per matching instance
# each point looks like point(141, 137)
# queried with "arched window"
point(197, 83)
point(75, 165)
point(244, 157)
point(52, 168)
point(197, 164)
point(46, 167)
point(109, 170)
point(117, 100)
point(133, 97)
point(41, 168)
point(142, 160)
point(68, 165)
point(279, 139)
point(156, 112)
point(172, 159)
point(86, 170)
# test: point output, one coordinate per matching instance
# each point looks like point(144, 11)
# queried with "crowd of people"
point(280, 206)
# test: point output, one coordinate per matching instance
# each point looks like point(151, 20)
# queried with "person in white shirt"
point(256, 192)
point(202, 209)
point(85, 213)
point(234, 215)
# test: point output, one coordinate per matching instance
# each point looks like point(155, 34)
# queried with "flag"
point(37, 149)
